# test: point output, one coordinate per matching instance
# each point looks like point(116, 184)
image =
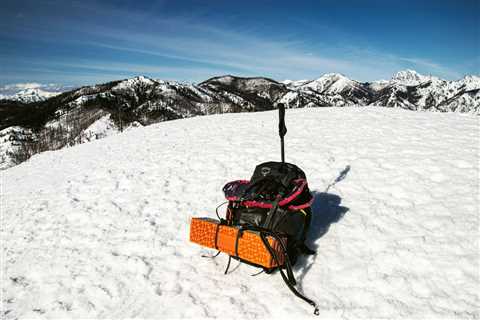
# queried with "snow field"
point(100, 230)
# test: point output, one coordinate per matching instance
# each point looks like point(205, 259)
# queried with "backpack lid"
point(271, 181)
point(283, 173)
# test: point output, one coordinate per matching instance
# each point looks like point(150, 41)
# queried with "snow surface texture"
point(101, 128)
point(100, 230)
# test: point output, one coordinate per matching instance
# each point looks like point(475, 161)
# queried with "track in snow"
point(100, 230)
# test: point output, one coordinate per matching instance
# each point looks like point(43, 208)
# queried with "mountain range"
point(31, 92)
point(35, 120)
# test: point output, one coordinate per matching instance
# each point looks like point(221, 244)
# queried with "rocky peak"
point(408, 77)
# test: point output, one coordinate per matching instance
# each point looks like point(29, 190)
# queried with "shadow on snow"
point(326, 209)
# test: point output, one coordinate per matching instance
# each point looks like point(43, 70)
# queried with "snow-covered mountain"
point(247, 94)
point(331, 89)
point(100, 230)
point(410, 90)
point(31, 92)
point(32, 95)
point(75, 116)
point(410, 77)
point(407, 89)
point(92, 112)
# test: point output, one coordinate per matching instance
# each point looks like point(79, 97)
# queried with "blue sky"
point(86, 42)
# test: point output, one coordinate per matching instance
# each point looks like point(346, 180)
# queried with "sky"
point(88, 42)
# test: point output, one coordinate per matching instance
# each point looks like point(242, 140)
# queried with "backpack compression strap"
point(288, 281)
point(288, 278)
point(241, 190)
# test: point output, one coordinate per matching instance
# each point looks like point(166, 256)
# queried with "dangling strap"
point(228, 264)
point(263, 232)
point(213, 256)
point(239, 235)
point(259, 272)
point(217, 229)
point(288, 264)
point(284, 277)
point(270, 214)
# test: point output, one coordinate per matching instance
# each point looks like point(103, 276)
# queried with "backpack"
point(276, 199)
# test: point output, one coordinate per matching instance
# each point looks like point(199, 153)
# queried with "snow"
point(100, 230)
point(258, 85)
point(101, 128)
point(379, 85)
point(471, 82)
point(129, 84)
point(407, 89)
point(331, 89)
point(330, 83)
point(31, 95)
point(295, 83)
point(226, 80)
point(31, 92)
point(289, 97)
point(81, 100)
point(9, 144)
point(409, 77)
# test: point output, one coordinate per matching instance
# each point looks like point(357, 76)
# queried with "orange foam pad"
point(250, 246)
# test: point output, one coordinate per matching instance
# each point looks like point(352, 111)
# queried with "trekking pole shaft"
point(282, 129)
point(283, 149)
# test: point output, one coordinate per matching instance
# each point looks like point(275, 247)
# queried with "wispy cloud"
point(434, 67)
point(190, 47)
point(21, 86)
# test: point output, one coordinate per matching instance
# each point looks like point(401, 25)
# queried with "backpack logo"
point(265, 171)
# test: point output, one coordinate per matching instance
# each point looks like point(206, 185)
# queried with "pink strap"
point(301, 184)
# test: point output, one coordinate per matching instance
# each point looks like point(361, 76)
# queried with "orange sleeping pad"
point(250, 246)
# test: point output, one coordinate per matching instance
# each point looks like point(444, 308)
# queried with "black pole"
point(282, 129)
point(283, 150)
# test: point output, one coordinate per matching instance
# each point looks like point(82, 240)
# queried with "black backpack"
point(276, 199)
